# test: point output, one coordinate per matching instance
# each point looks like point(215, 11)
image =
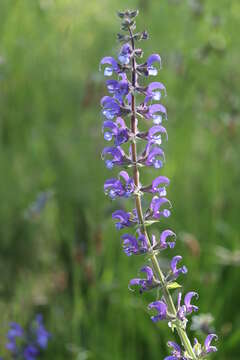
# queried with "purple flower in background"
point(30, 342)
point(42, 335)
point(161, 309)
point(15, 331)
point(30, 352)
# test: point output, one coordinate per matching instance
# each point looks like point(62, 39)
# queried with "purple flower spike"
point(176, 272)
point(129, 96)
point(207, 343)
point(155, 206)
point(154, 90)
point(152, 70)
point(144, 284)
point(114, 67)
point(161, 308)
point(123, 219)
point(187, 301)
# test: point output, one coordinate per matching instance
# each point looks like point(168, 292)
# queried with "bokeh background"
point(59, 252)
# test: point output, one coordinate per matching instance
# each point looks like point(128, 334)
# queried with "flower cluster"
point(28, 344)
point(123, 112)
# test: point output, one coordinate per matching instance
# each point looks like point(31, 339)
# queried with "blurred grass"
point(62, 256)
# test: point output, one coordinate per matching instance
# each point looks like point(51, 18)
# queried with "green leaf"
point(173, 285)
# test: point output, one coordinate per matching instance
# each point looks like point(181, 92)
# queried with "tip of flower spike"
point(127, 14)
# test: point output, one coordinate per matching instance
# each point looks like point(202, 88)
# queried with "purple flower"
point(158, 186)
point(30, 352)
point(177, 271)
point(114, 67)
point(187, 308)
point(152, 70)
point(176, 352)
point(115, 188)
point(156, 113)
point(154, 90)
point(125, 54)
point(144, 284)
point(116, 130)
point(15, 331)
point(123, 219)
point(161, 309)
point(42, 335)
point(111, 108)
point(155, 134)
point(133, 245)
point(117, 156)
point(118, 88)
point(156, 205)
point(162, 244)
point(155, 158)
point(128, 183)
point(207, 343)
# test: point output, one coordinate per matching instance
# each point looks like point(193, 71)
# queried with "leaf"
point(173, 285)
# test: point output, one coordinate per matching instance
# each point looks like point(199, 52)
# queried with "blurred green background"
point(59, 252)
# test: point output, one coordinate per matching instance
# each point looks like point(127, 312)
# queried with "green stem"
point(158, 272)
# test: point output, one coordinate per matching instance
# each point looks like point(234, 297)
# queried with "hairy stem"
point(158, 272)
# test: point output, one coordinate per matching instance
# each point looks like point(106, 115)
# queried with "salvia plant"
point(27, 344)
point(131, 99)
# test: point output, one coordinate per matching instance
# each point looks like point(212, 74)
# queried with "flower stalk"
point(123, 103)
